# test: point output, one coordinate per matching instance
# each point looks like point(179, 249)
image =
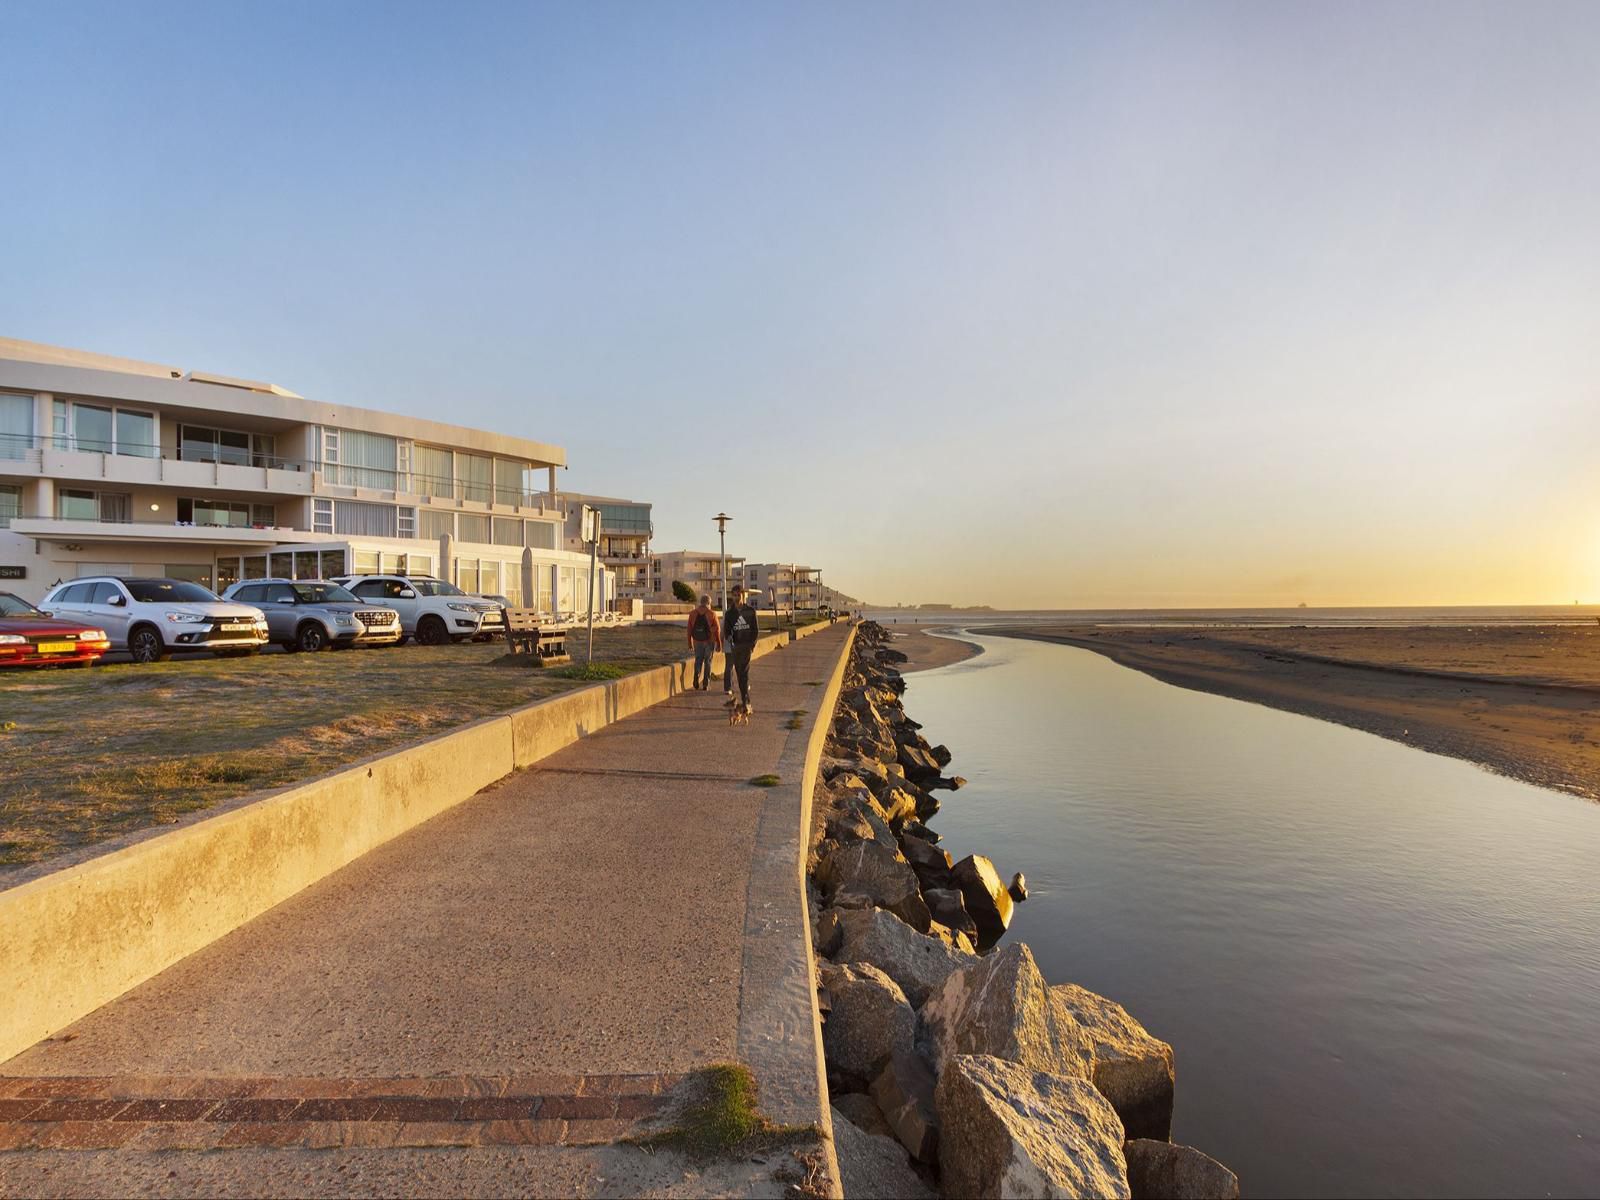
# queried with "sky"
point(1029, 305)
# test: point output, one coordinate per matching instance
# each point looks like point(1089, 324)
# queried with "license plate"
point(241, 627)
point(57, 647)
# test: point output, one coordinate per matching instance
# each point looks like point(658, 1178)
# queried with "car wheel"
point(312, 637)
point(431, 632)
point(146, 646)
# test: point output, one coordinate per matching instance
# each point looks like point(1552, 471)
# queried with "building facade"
point(785, 586)
point(700, 569)
point(113, 466)
point(625, 532)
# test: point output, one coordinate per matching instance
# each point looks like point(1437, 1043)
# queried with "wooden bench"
point(524, 635)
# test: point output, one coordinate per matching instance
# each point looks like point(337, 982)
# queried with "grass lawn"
point(90, 754)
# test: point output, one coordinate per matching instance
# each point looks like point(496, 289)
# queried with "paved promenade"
point(484, 1004)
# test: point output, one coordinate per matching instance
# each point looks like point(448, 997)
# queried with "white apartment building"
point(625, 532)
point(785, 586)
point(113, 466)
point(700, 569)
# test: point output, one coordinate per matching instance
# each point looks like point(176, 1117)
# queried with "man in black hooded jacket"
point(740, 628)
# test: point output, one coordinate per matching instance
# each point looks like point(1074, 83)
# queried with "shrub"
point(683, 591)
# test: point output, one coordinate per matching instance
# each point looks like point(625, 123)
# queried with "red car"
point(30, 638)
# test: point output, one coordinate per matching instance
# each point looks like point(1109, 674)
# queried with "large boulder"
point(920, 766)
point(919, 830)
point(949, 909)
point(941, 755)
point(1132, 1069)
point(878, 872)
point(873, 773)
point(917, 962)
point(863, 1112)
point(904, 1094)
point(898, 804)
point(1000, 1005)
point(1161, 1171)
point(931, 864)
point(953, 938)
point(1010, 1131)
point(986, 897)
point(869, 1022)
point(872, 1166)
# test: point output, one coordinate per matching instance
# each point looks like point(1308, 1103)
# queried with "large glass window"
point(508, 481)
point(16, 425)
point(367, 459)
point(467, 575)
point(436, 523)
point(473, 527)
point(541, 535)
point(331, 563)
point(234, 514)
point(201, 443)
point(366, 562)
point(433, 470)
point(116, 507)
point(507, 531)
point(255, 566)
point(371, 520)
point(73, 505)
point(476, 472)
point(10, 503)
point(488, 578)
point(624, 518)
point(322, 516)
point(136, 434)
point(305, 564)
point(93, 427)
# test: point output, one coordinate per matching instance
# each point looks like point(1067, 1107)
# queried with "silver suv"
point(431, 610)
point(310, 614)
point(150, 618)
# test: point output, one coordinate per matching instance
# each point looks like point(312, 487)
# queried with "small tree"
point(683, 591)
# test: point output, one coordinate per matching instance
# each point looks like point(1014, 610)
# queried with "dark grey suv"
point(311, 614)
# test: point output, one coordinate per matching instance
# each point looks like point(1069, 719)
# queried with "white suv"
point(150, 618)
point(431, 610)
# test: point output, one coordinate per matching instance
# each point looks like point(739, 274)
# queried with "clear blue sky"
point(1026, 304)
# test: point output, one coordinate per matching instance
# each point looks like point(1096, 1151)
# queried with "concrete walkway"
point(567, 944)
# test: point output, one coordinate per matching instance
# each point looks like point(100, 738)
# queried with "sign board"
point(13, 572)
point(591, 524)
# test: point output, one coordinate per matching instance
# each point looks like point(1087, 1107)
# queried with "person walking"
point(741, 627)
point(734, 599)
point(705, 636)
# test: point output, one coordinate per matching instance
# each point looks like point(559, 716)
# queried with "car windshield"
point(323, 593)
point(12, 606)
point(436, 587)
point(169, 591)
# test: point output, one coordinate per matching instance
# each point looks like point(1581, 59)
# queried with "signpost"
point(591, 534)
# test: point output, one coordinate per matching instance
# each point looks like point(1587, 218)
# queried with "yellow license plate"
point(57, 647)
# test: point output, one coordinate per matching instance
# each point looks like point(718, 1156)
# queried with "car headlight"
point(93, 635)
point(185, 618)
point(465, 607)
point(12, 639)
point(343, 619)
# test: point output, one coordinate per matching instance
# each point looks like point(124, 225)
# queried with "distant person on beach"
point(741, 627)
point(704, 637)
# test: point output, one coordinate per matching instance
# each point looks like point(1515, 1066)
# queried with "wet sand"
point(914, 638)
point(1522, 701)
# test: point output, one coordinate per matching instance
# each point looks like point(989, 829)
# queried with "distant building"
point(785, 585)
point(625, 532)
point(700, 569)
point(114, 466)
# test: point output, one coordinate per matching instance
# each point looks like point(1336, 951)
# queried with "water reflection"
point(1379, 968)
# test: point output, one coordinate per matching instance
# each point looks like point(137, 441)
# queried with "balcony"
point(61, 459)
point(69, 531)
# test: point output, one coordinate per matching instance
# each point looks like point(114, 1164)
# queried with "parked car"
point(312, 614)
point(431, 610)
point(150, 618)
point(30, 638)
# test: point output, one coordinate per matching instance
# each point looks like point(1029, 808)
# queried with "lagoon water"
point(1379, 968)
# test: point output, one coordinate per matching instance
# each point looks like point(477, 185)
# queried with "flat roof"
point(36, 367)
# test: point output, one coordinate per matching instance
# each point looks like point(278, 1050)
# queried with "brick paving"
point(172, 1113)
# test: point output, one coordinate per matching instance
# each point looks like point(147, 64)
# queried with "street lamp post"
point(722, 520)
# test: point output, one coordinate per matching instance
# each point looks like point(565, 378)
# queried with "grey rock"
point(950, 910)
point(864, 1113)
point(872, 1167)
point(931, 864)
point(1010, 1131)
point(941, 755)
point(953, 938)
point(919, 830)
point(986, 897)
point(917, 962)
point(827, 933)
point(1018, 887)
point(919, 765)
point(878, 872)
point(904, 1092)
point(1000, 1005)
point(1161, 1171)
point(868, 1022)
point(951, 783)
point(1132, 1069)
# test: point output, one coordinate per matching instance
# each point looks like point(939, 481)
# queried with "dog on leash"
point(739, 714)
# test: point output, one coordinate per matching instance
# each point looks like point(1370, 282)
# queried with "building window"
point(136, 433)
point(507, 531)
point(16, 425)
point(366, 562)
point(476, 472)
point(331, 564)
point(232, 514)
point(61, 424)
point(508, 477)
point(93, 428)
point(10, 503)
point(371, 520)
point(255, 566)
point(541, 535)
point(467, 574)
point(73, 505)
point(200, 443)
point(366, 459)
point(406, 522)
point(433, 471)
point(473, 528)
point(436, 523)
point(263, 514)
point(322, 516)
point(488, 578)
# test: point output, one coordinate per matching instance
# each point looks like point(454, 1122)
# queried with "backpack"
point(702, 627)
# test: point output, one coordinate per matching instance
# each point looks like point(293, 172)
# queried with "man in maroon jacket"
point(704, 637)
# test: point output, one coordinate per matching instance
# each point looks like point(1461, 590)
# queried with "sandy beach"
point(1522, 701)
point(915, 638)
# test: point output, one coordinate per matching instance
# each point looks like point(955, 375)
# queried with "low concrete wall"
point(75, 939)
point(780, 1027)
